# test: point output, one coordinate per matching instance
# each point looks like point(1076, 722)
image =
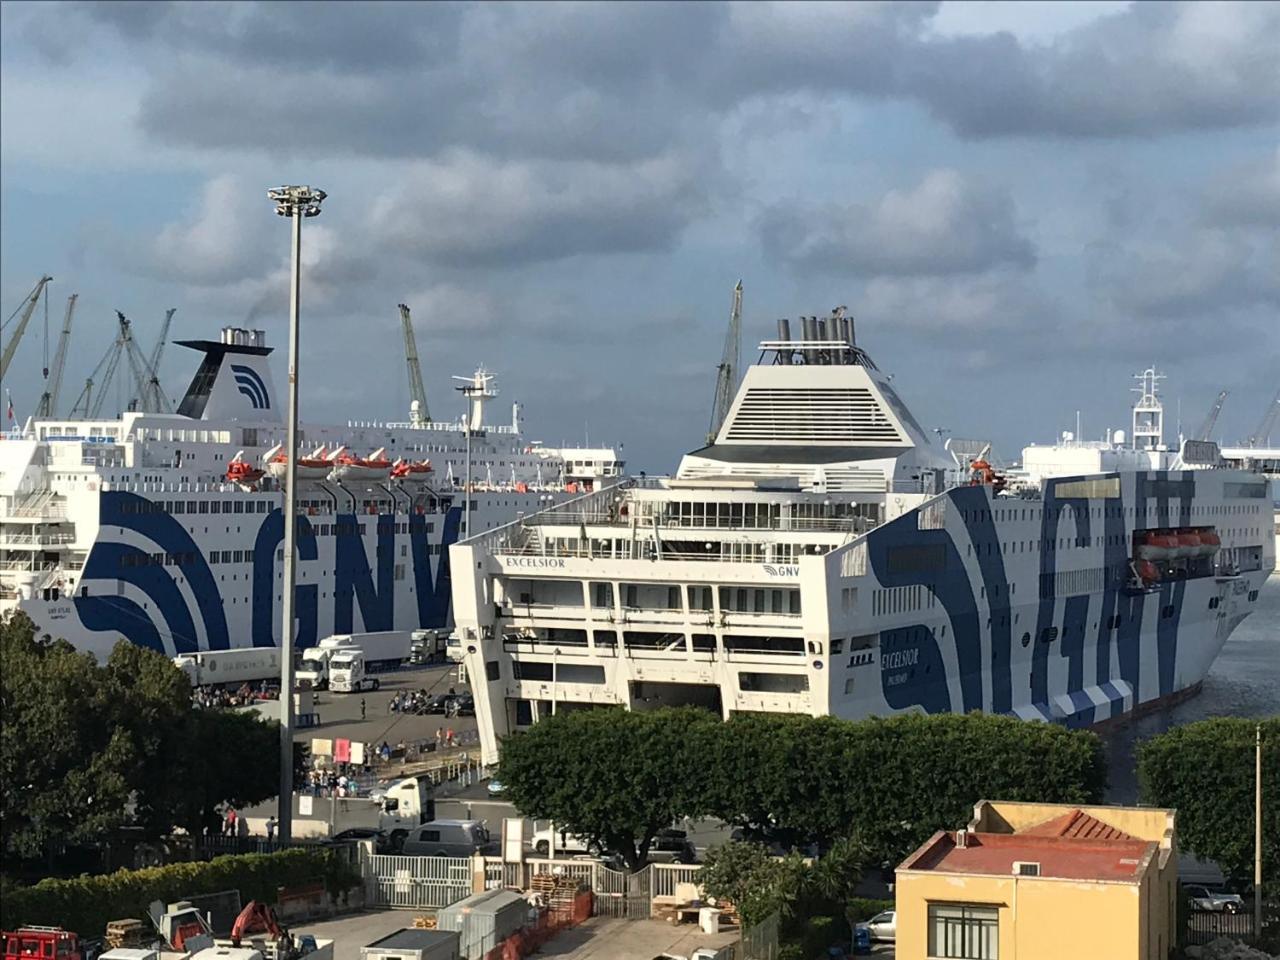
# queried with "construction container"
point(484, 920)
point(414, 945)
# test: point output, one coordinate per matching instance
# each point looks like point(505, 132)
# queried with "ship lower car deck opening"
point(651, 695)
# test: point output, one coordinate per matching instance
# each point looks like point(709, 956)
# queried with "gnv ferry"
point(166, 530)
point(822, 555)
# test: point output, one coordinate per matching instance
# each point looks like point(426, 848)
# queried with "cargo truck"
point(230, 667)
point(348, 674)
point(382, 650)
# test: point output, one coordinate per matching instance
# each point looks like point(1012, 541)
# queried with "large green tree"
point(1206, 771)
point(64, 766)
point(614, 776)
point(90, 747)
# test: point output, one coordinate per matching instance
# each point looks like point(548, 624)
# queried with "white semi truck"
point(381, 649)
point(348, 672)
point(230, 667)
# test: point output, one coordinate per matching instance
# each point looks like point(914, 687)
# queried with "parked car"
point(883, 926)
point(464, 706)
point(672, 846)
point(381, 842)
point(447, 838)
point(495, 788)
point(1216, 901)
point(437, 703)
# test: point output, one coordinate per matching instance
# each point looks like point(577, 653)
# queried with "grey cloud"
point(618, 82)
point(944, 225)
point(470, 210)
point(1248, 196)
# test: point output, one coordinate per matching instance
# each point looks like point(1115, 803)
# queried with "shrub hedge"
point(86, 904)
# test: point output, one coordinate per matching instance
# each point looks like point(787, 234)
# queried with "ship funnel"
point(784, 334)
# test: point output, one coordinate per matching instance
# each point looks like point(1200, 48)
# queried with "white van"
point(446, 838)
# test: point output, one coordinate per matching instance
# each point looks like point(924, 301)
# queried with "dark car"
point(436, 704)
point(463, 705)
point(381, 842)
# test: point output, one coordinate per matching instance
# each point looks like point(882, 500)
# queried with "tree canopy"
point(1206, 771)
point(88, 747)
point(618, 776)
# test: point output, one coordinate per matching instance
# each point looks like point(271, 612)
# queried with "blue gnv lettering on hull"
point(305, 602)
point(433, 599)
point(353, 579)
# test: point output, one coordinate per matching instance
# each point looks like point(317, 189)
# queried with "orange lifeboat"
point(373, 467)
point(1148, 571)
point(1188, 543)
point(1210, 543)
point(314, 467)
point(981, 473)
point(242, 472)
point(410, 470)
point(1156, 545)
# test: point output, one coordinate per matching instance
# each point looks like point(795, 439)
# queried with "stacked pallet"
point(424, 923)
point(558, 892)
point(124, 933)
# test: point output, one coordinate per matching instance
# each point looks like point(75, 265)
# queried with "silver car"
point(1215, 901)
point(883, 926)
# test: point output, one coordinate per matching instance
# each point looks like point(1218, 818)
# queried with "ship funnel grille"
point(812, 414)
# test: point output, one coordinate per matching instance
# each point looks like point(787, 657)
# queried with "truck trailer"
point(230, 667)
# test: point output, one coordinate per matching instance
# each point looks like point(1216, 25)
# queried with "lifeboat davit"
point(314, 467)
point(1153, 545)
point(376, 466)
point(242, 472)
point(410, 470)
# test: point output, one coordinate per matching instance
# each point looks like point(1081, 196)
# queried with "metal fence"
point(415, 882)
point(1206, 925)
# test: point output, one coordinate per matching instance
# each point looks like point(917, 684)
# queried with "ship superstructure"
point(167, 529)
point(823, 556)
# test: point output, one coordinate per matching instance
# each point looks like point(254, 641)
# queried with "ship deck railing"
point(34, 540)
point(613, 518)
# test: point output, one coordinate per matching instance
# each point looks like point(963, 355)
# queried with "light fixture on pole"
point(297, 203)
point(555, 677)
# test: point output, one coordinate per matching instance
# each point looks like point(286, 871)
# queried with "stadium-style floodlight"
point(297, 203)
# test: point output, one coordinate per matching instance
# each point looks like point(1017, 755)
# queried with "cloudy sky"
point(1022, 204)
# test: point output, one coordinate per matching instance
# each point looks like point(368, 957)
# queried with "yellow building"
point(1042, 881)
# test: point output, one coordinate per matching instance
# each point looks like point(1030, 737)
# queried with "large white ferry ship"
point(823, 555)
point(166, 529)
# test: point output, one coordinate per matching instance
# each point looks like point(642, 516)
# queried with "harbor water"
point(1243, 682)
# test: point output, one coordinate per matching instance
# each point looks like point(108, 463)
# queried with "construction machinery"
point(153, 399)
point(1211, 420)
point(27, 308)
point(48, 405)
point(730, 369)
point(37, 941)
point(418, 413)
point(89, 404)
point(1261, 435)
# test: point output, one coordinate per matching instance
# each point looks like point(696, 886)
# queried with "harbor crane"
point(28, 308)
point(1262, 432)
point(89, 404)
point(1211, 420)
point(730, 369)
point(418, 413)
point(48, 406)
point(153, 399)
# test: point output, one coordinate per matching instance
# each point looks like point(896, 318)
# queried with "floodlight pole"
point(296, 203)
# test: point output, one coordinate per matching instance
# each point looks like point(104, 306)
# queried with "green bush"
point(862, 909)
point(86, 904)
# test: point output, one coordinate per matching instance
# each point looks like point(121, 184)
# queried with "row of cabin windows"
point(1100, 513)
point(732, 599)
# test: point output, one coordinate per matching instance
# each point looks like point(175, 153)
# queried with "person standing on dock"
point(362, 708)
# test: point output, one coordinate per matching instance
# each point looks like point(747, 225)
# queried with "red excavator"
point(256, 917)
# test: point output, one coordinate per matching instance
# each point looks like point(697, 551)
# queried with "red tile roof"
point(1078, 825)
point(1065, 857)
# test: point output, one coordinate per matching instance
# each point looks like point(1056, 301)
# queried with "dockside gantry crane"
point(48, 405)
point(730, 369)
point(418, 412)
point(28, 308)
point(89, 404)
point(1211, 420)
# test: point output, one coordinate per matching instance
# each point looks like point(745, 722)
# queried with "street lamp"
point(555, 678)
point(296, 203)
